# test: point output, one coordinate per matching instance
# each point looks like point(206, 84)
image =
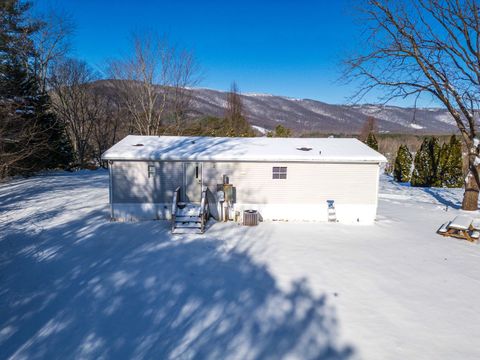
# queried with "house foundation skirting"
point(344, 213)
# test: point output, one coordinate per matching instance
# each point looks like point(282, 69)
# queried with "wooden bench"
point(461, 227)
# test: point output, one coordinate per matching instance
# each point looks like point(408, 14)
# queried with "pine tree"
point(59, 152)
point(30, 137)
point(280, 131)
point(372, 141)
point(450, 164)
point(426, 163)
point(403, 164)
point(443, 163)
point(16, 48)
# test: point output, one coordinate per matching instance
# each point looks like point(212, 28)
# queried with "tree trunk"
point(470, 197)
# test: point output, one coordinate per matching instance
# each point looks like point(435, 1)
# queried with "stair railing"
point(176, 199)
point(203, 210)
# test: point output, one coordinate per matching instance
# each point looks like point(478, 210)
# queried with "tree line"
point(433, 165)
point(58, 112)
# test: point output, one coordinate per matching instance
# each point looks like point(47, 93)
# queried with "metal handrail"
point(203, 209)
point(176, 197)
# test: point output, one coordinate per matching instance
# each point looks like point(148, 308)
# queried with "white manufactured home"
point(296, 179)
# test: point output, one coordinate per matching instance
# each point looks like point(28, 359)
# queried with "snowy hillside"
point(305, 115)
point(74, 285)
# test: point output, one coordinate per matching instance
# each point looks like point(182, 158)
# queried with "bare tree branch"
point(75, 104)
point(153, 84)
point(426, 47)
point(51, 44)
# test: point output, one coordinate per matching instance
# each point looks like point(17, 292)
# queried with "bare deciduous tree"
point(185, 74)
point(51, 44)
point(236, 123)
point(153, 84)
point(234, 103)
point(369, 126)
point(107, 125)
point(427, 47)
point(19, 139)
point(75, 104)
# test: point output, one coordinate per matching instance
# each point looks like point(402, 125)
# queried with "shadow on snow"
point(439, 195)
point(88, 288)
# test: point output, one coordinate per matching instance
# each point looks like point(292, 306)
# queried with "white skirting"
point(143, 211)
point(345, 213)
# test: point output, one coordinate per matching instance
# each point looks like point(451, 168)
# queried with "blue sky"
point(291, 48)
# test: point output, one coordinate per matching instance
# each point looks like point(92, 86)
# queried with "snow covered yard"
point(74, 285)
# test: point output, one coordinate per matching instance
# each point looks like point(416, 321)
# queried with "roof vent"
point(304, 148)
point(137, 145)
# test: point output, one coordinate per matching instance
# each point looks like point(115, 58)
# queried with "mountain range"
point(265, 112)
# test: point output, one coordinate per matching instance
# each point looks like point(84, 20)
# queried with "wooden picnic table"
point(461, 227)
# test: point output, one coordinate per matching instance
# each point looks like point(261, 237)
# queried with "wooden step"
point(189, 210)
point(186, 231)
point(188, 225)
point(188, 219)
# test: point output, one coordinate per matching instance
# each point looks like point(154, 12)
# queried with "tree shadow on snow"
point(22, 189)
point(93, 289)
point(439, 195)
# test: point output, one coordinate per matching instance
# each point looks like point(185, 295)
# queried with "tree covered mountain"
point(305, 115)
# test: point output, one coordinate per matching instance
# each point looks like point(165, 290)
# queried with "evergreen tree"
point(59, 152)
point(214, 126)
point(426, 163)
point(403, 164)
point(16, 49)
point(450, 166)
point(280, 131)
point(443, 163)
point(372, 141)
point(30, 137)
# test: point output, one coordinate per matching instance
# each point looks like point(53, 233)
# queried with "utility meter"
point(220, 196)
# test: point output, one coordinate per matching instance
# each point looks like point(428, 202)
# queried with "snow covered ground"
point(74, 285)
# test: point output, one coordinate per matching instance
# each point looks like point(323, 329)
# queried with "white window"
point(151, 171)
point(279, 172)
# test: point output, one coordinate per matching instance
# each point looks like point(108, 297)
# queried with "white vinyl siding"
point(145, 182)
point(306, 183)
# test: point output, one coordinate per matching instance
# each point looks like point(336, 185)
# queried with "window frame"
point(151, 171)
point(279, 172)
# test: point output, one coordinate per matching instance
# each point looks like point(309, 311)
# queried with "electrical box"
point(228, 189)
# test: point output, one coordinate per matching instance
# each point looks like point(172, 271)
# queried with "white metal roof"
point(181, 148)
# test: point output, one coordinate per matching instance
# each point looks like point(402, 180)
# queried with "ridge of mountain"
point(307, 115)
point(266, 111)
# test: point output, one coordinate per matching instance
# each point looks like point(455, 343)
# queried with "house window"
point(279, 172)
point(151, 171)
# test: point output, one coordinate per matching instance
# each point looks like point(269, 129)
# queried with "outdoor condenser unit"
point(250, 217)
